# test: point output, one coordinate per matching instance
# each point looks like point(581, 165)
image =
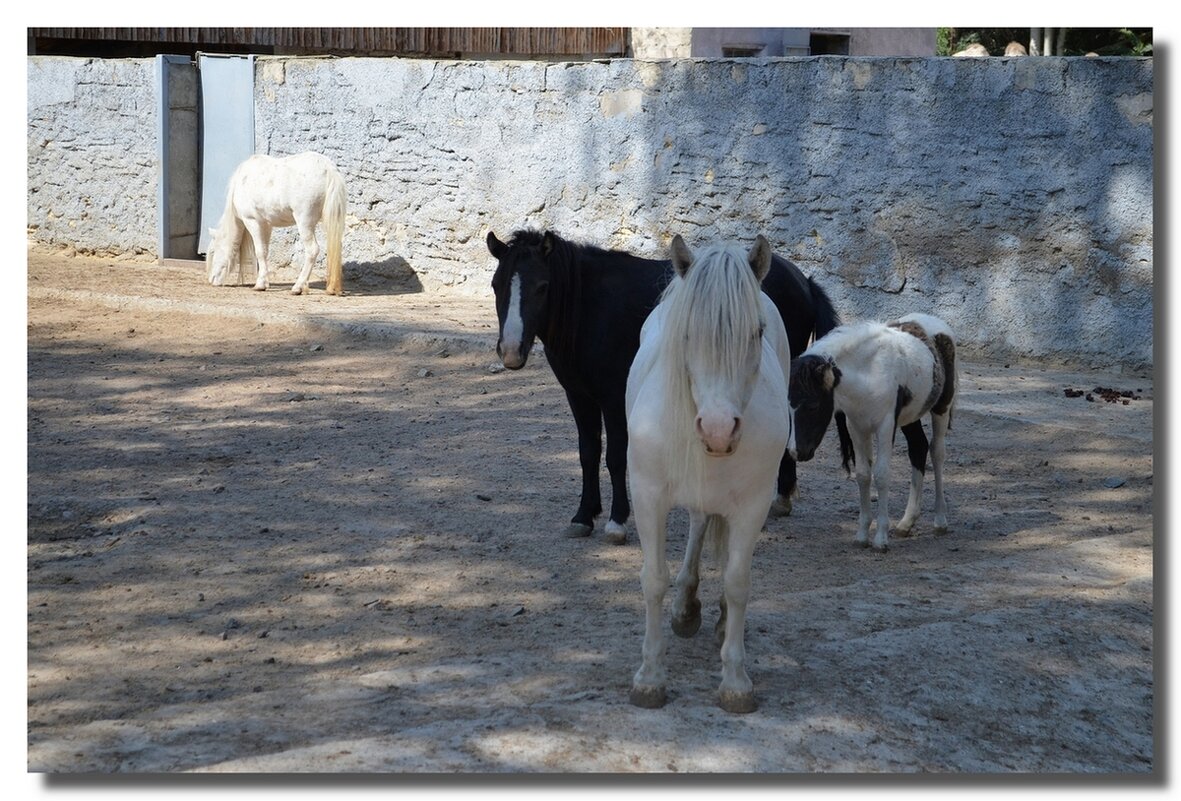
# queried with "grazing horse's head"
point(715, 333)
point(813, 379)
point(219, 256)
point(521, 283)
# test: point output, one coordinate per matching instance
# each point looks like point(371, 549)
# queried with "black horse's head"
point(810, 391)
point(521, 284)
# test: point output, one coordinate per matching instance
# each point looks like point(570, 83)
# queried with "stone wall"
point(1011, 196)
point(93, 154)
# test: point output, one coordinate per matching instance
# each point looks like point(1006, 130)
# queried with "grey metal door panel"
point(227, 130)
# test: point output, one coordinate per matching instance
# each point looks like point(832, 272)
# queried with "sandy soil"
point(276, 533)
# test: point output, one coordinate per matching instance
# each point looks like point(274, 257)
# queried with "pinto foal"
point(877, 378)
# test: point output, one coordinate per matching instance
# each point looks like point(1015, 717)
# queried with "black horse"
point(587, 306)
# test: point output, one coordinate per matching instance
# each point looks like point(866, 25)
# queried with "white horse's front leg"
point(881, 479)
point(260, 235)
point(939, 425)
point(648, 685)
point(736, 693)
point(311, 252)
point(686, 607)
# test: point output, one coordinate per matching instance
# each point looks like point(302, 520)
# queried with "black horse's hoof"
point(648, 697)
point(576, 530)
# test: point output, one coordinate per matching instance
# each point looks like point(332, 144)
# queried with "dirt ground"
point(281, 534)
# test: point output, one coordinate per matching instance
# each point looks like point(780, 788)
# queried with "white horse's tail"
point(717, 537)
point(335, 201)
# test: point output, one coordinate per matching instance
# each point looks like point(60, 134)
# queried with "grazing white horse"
point(267, 192)
point(707, 422)
point(879, 377)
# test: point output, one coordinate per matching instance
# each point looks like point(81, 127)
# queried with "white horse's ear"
point(495, 246)
point(760, 257)
point(681, 256)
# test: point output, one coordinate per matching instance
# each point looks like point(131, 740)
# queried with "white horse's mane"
point(709, 317)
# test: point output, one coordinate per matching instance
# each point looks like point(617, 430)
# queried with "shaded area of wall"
point(1011, 196)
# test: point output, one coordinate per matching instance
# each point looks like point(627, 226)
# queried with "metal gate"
point(227, 130)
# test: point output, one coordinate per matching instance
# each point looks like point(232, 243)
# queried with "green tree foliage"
point(1079, 41)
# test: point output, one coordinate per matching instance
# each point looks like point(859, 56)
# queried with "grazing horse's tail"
point(334, 209)
point(826, 316)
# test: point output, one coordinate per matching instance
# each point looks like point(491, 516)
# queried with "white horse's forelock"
point(711, 313)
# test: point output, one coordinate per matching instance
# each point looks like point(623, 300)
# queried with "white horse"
point(267, 192)
point(707, 422)
point(878, 378)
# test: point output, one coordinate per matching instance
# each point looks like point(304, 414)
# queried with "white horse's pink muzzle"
point(719, 434)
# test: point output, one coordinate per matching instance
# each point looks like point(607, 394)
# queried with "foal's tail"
point(826, 316)
point(335, 202)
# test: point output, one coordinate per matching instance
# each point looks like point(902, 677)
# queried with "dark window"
point(742, 51)
point(829, 44)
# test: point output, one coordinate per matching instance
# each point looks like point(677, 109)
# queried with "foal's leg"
point(260, 235)
point(686, 608)
point(589, 419)
point(615, 421)
point(939, 424)
point(736, 693)
point(883, 441)
point(311, 252)
point(651, 521)
point(862, 463)
point(916, 449)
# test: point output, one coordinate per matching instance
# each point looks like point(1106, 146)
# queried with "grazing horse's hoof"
point(780, 507)
point(688, 624)
point(299, 290)
point(616, 533)
point(883, 548)
point(941, 530)
point(576, 530)
point(648, 697)
point(737, 703)
point(258, 288)
point(902, 532)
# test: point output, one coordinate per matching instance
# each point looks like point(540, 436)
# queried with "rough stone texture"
point(1011, 196)
point(93, 154)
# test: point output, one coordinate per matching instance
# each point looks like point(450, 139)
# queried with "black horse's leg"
point(588, 418)
point(615, 421)
point(786, 485)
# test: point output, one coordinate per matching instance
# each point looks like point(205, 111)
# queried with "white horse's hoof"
point(260, 287)
point(941, 530)
point(616, 534)
point(298, 290)
point(902, 532)
point(736, 702)
point(687, 624)
point(647, 697)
